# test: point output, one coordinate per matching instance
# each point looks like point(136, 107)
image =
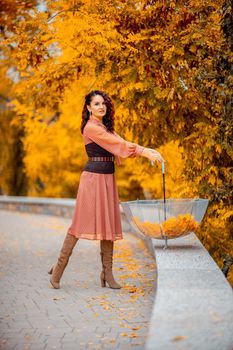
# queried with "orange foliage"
point(165, 65)
point(171, 228)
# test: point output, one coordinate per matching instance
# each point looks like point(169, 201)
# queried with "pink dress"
point(97, 214)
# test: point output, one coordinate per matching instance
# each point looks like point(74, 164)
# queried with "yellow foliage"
point(171, 228)
point(150, 177)
point(167, 70)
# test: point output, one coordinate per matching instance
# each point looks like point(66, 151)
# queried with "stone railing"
point(193, 306)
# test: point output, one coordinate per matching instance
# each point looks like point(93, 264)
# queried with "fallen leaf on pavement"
point(179, 337)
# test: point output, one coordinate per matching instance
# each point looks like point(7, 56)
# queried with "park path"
point(81, 315)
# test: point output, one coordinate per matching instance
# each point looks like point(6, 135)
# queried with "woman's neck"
point(96, 119)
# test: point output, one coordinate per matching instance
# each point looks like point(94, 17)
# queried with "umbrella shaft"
point(164, 197)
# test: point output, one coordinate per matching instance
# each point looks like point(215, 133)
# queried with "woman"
point(97, 214)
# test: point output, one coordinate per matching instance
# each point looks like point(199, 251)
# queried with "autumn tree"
point(166, 65)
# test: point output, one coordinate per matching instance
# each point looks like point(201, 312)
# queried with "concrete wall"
point(193, 307)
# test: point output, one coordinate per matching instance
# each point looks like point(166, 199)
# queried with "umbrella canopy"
point(165, 220)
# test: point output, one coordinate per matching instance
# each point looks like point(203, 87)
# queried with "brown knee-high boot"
point(65, 253)
point(106, 253)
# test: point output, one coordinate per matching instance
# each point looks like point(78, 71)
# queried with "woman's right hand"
point(153, 155)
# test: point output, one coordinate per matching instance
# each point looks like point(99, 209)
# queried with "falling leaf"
point(179, 337)
point(135, 328)
point(133, 335)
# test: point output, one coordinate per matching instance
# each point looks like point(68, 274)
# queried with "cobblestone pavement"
point(82, 314)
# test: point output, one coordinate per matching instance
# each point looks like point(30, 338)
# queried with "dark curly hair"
point(108, 119)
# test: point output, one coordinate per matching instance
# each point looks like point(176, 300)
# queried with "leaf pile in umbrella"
point(173, 227)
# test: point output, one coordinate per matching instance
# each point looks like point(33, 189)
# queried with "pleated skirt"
point(97, 213)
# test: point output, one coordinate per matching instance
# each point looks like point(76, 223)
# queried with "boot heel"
point(50, 271)
point(103, 282)
point(102, 279)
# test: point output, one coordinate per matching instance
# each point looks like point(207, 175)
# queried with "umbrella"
point(165, 218)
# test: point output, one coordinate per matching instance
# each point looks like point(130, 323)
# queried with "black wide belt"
point(101, 165)
point(101, 159)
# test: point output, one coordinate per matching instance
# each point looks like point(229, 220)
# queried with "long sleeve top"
point(96, 132)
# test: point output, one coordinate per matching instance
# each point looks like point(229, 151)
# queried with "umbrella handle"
point(163, 168)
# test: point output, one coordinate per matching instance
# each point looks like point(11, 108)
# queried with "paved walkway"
point(81, 315)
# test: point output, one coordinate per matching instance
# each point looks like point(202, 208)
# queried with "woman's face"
point(97, 106)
